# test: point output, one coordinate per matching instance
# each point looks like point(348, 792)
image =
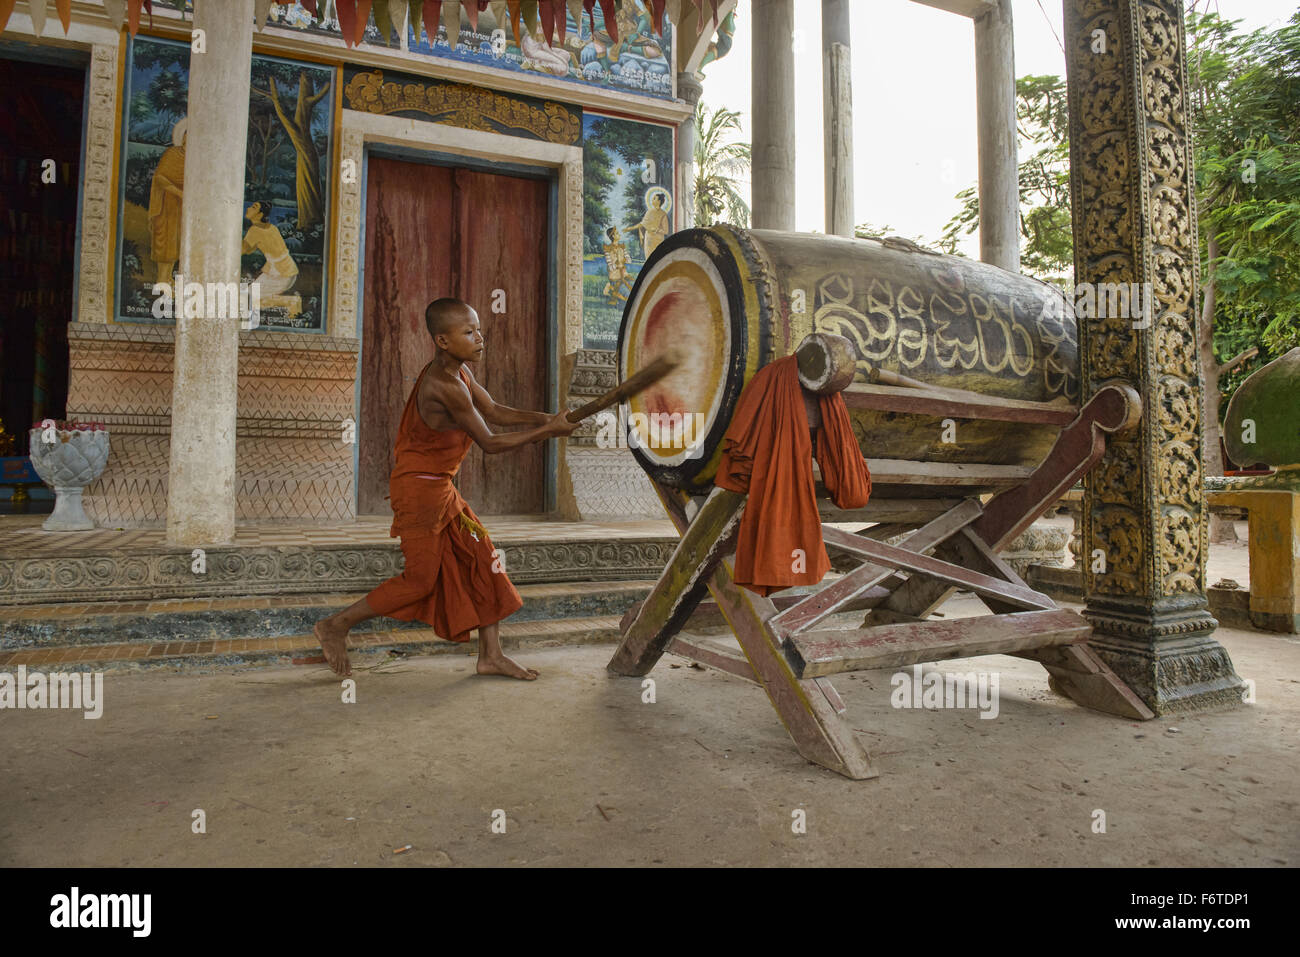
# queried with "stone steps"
point(224, 632)
point(364, 649)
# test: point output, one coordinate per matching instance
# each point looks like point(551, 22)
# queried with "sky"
point(914, 135)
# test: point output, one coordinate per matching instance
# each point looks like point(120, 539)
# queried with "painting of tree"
point(289, 94)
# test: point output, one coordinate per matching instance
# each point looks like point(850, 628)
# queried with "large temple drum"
point(730, 300)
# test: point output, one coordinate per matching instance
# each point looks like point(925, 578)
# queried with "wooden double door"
point(483, 237)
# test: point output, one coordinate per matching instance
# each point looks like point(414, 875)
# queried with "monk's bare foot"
point(334, 643)
point(501, 665)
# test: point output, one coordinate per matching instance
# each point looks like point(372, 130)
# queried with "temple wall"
point(298, 387)
point(296, 392)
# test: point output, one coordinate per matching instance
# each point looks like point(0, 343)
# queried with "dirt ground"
point(585, 773)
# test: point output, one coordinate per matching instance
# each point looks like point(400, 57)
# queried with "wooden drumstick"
point(635, 383)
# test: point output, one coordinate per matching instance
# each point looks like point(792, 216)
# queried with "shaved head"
point(443, 314)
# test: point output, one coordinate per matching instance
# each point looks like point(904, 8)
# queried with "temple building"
point(526, 166)
point(339, 164)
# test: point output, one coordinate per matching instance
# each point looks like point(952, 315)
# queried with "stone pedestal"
point(1144, 514)
point(1274, 518)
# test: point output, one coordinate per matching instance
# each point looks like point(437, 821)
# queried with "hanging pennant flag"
point(383, 21)
point(363, 20)
point(432, 11)
point(590, 7)
point(674, 11)
point(513, 7)
point(560, 18)
point(133, 15)
point(261, 10)
point(529, 8)
point(611, 20)
point(398, 11)
point(65, 12)
point(37, 9)
point(657, 14)
point(346, 11)
point(6, 8)
point(474, 8)
point(451, 17)
point(546, 11)
point(699, 16)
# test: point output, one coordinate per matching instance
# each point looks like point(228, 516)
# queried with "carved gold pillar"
point(1132, 189)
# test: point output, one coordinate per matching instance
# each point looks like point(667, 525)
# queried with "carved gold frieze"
point(468, 107)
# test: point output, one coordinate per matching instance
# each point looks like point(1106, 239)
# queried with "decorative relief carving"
point(347, 260)
point(469, 107)
point(97, 195)
point(1129, 144)
point(311, 570)
point(572, 214)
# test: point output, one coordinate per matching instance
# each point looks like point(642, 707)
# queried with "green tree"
point(647, 153)
point(296, 117)
point(1244, 93)
point(1047, 247)
point(1245, 116)
point(719, 163)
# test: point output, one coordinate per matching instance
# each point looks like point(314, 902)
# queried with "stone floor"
point(584, 773)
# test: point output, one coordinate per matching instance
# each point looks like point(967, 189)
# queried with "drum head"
point(696, 294)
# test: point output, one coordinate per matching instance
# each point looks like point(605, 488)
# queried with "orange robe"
point(449, 581)
point(767, 453)
point(164, 208)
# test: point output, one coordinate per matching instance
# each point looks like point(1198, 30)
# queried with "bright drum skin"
point(732, 300)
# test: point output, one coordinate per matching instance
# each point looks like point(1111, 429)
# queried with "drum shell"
point(943, 320)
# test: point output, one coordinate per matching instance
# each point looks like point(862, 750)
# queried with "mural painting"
point(286, 184)
point(638, 62)
point(627, 197)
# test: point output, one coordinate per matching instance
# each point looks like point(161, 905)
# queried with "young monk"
point(450, 581)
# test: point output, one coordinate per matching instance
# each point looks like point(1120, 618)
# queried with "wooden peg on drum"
point(827, 364)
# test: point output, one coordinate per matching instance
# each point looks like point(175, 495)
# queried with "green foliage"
point(1244, 92)
point(1047, 246)
point(1245, 101)
point(719, 163)
point(635, 144)
point(597, 178)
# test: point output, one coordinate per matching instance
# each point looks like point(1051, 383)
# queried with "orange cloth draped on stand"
point(449, 582)
point(767, 453)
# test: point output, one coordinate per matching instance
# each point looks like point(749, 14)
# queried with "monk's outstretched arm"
point(456, 400)
point(498, 414)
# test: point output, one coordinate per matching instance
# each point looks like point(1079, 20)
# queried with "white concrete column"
point(201, 484)
point(773, 201)
point(690, 90)
point(999, 177)
point(837, 115)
